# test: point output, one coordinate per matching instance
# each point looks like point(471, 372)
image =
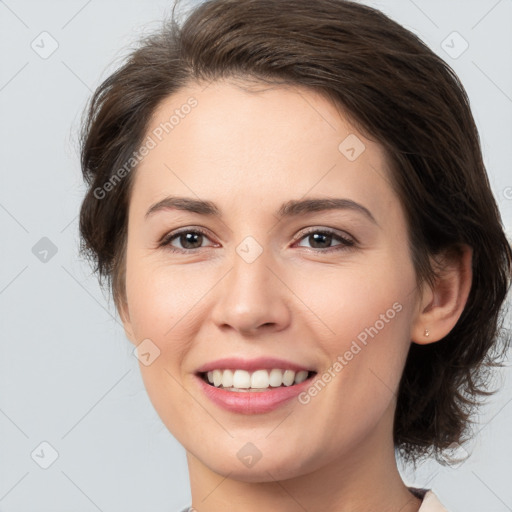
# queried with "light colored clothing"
point(430, 501)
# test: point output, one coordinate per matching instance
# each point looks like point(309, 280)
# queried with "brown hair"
point(397, 92)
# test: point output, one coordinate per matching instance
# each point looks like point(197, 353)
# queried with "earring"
point(427, 333)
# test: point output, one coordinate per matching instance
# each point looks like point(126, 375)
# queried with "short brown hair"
point(397, 92)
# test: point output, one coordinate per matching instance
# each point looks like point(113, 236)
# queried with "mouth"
point(253, 386)
point(258, 381)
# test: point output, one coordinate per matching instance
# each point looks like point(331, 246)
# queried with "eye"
point(322, 239)
point(189, 239)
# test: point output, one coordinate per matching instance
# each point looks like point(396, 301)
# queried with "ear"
point(441, 306)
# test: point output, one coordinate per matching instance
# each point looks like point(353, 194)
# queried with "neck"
point(365, 478)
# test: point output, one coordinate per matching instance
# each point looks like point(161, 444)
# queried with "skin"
point(249, 151)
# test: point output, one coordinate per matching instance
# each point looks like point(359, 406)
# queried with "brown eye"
point(322, 239)
point(188, 240)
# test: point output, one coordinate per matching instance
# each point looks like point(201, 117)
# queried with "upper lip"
point(250, 365)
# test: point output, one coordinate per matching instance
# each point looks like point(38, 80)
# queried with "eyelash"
point(346, 243)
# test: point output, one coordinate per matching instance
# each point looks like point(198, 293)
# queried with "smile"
point(258, 381)
point(257, 392)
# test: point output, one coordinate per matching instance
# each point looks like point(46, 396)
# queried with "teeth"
point(275, 378)
point(288, 377)
point(259, 379)
point(217, 378)
point(227, 378)
point(242, 380)
point(301, 376)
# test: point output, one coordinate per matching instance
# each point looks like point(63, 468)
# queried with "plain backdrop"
point(77, 430)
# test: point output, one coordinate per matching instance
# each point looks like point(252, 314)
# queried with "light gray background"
point(67, 373)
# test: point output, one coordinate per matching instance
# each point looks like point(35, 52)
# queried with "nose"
point(252, 297)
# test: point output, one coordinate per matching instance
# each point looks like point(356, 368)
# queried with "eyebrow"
point(291, 208)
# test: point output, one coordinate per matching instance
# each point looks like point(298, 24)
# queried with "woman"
point(289, 203)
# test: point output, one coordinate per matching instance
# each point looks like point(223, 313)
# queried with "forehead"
point(226, 137)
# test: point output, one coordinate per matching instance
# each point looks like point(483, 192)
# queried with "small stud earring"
point(427, 333)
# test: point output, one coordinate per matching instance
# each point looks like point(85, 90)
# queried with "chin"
point(266, 469)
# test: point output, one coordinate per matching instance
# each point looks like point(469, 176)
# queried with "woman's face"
point(325, 290)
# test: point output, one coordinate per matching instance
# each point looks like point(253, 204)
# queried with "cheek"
point(347, 299)
point(161, 297)
point(365, 353)
point(364, 318)
point(161, 303)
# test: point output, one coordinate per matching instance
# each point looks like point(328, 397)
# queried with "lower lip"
point(252, 402)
